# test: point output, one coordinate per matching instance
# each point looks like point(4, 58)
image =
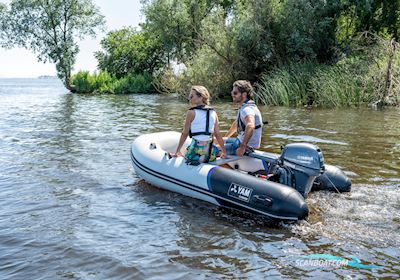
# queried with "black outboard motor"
point(298, 166)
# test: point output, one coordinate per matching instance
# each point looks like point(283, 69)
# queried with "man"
point(248, 122)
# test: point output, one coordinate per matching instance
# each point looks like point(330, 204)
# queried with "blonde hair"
point(203, 93)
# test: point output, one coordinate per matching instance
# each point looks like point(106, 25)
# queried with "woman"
point(201, 149)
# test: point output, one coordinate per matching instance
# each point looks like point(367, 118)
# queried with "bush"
point(141, 83)
point(104, 83)
point(83, 82)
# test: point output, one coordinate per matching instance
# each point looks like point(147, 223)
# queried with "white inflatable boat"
point(212, 183)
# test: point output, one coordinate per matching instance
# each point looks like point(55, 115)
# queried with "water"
point(72, 207)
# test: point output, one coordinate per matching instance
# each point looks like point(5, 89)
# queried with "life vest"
point(240, 125)
point(208, 109)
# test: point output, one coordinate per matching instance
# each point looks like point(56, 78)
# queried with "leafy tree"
point(169, 19)
point(177, 23)
point(308, 30)
point(3, 9)
point(217, 62)
point(255, 36)
point(50, 29)
point(244, 37)
point(377, 16)
point(128, 51)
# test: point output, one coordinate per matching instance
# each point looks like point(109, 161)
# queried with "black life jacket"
point(240, 125)
point(208, 109)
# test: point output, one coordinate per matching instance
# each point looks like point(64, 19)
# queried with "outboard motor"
point(298, 166)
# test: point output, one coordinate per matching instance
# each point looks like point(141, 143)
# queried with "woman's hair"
point(244, 86)
point(203, 93)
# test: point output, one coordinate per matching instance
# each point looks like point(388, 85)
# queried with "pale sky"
point(21, 63)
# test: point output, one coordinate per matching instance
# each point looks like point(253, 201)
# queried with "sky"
point(21, 63)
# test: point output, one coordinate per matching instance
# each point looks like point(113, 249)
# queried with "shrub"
point(104, 83)
point(141, 83)
point(83, 82)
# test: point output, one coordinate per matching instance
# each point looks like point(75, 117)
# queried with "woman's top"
point(199, 124)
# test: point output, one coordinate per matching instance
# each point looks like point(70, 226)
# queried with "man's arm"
point(232, 130)
point(248, 132)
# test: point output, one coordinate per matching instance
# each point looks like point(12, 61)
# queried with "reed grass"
point(315, 85)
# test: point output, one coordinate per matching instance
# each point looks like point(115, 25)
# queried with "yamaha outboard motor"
point(298, 166)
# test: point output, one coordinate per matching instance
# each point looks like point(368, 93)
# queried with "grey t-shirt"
point(251, 110)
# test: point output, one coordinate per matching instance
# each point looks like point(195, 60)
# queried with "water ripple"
point(307, 138)
point(72, 206)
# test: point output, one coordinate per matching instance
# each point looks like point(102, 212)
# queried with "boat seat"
point(221, 161)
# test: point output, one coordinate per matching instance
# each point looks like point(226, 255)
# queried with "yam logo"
point(240, 192)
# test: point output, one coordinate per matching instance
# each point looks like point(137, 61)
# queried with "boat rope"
point(333, 184)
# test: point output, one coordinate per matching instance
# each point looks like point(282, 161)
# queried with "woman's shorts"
point(198, 150)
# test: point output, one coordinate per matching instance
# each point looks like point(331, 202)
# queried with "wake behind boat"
point(262, 183)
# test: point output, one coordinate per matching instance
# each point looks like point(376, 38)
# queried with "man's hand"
point(241, 150)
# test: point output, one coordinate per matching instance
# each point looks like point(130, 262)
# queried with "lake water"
point(72, 207)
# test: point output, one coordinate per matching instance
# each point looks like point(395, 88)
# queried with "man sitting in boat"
point(201, 124)
point(248, 123)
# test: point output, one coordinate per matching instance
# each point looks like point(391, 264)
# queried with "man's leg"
point(231, 145)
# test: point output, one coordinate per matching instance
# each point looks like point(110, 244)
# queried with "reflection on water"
point(72, 206)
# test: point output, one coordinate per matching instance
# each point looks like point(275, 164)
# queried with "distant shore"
point(47, 77)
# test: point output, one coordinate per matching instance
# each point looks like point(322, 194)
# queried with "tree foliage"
point(102, 82)
point(177, 23)
point(128, 51)
point(376, 16)
point(50, 29)
point(3, 10)
point(245, 37)
point(308, 30)
point(219, 41)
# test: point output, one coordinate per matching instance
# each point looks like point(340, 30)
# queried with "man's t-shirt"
point(246, 110)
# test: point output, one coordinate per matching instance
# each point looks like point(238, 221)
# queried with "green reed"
point(311, 84)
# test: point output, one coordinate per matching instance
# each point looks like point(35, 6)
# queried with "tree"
point(3, 9)
point(256, 35)
point(308, 30)
point(127, 51)
point(376, 16)
point(177, 23)
point(50, 29)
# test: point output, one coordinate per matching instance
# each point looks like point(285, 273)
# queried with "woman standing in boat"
point(201, 124)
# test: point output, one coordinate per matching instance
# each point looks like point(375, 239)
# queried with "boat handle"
point(153, 146)
point(263, 199)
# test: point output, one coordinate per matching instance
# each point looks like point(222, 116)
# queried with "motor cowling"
point(299, 165)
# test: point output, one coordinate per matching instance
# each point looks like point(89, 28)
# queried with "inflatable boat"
point(262, 183)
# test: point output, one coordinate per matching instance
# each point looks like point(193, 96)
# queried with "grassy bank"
point(369, 77)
